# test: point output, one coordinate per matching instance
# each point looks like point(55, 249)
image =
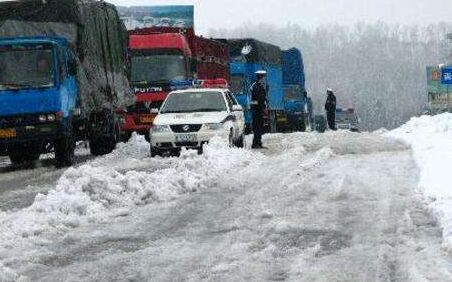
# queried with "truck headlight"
point(213, 126)
point(51, 117)
point(160, 128)
point(42, 118)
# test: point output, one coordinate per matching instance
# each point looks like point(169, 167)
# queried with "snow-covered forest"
point(377, 68)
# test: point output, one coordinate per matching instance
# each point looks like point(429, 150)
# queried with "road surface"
point(332, 207)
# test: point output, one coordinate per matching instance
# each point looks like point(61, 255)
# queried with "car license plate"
point(186, 138)
point(8, 133)
point(146, 119)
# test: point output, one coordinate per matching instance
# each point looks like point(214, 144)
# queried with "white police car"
point(190, 118)
point(347, 119)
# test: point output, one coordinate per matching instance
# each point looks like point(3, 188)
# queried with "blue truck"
point(297, 104)
point(248, 56)
point(62, 78)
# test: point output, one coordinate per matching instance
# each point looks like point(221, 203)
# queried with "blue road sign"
point(446, 75)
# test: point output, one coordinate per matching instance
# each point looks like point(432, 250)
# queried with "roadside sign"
point(446, 75)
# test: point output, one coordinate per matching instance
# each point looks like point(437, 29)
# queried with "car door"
point(239, 117)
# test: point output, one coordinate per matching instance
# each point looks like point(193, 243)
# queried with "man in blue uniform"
point(258, 106)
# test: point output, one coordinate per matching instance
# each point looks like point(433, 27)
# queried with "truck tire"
point(303, 125)
point(20, 158)
point(273, 123)
point(125, 136)
point(65, 151)
point(102, 145)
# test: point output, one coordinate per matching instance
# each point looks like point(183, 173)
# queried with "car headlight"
point(160, 128)
point(213, 126)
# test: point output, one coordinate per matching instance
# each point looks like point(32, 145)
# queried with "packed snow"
point(313, 207)
point(431, 141)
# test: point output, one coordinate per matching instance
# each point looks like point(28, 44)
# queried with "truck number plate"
point(186, 138)
point(8, 133)
point(146, 119)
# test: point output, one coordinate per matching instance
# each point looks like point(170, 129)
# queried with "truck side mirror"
point(72, 68)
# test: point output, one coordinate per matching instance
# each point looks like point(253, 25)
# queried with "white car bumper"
point(172, 140)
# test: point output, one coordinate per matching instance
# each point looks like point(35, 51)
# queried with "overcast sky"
point(309, 13)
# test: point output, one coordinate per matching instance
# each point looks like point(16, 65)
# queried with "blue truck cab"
point(247, 57)
point(38, 94)
point(62, 78)
point(296, 102)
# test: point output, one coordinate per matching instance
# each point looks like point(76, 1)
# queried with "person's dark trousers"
point(258, 127)
point(331, 117)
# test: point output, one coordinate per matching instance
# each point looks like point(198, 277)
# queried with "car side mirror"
point(154, 111)
point(72, 68)
point(237, 108)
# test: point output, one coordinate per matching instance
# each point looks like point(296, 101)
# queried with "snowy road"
point(331, 207)
point(19, 185)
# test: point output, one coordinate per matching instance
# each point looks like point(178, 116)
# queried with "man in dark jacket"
point(258, 106)
point(330, 107)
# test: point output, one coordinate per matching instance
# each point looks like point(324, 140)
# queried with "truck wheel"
point(65, 151)
point(125, 136)
point(101, 146)
point(104, 144)
point(19, 158)
point(303, 126)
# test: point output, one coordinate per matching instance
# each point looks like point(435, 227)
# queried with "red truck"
point(160, 57)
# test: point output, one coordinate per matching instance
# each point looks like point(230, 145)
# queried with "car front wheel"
point(154, 152)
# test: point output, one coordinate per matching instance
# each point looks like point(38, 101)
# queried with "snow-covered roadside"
point(109, 187)
point(431, 140)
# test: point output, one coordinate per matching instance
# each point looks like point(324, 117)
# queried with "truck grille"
point(183, 128)
point(13, 121)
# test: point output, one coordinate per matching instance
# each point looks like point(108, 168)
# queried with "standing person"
point(330, 107)
point(258, 106)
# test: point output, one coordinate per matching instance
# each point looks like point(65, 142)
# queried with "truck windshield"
point(237, 84)
point(292, 92)
point(188, 102)
point(26, 67)
point(152, 68)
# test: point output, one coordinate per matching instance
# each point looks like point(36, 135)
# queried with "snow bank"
point(98, 192)
point(431, 140)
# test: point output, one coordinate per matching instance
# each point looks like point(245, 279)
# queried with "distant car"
point(347, 119)
point(320, 123)
point(190, 118)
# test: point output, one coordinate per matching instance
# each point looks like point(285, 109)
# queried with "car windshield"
point(151, 68)
point(194, 102)
point(345, 117)
point(237, 84)
point(26, 67)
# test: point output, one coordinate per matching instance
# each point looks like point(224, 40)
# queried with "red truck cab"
point(160, 56)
